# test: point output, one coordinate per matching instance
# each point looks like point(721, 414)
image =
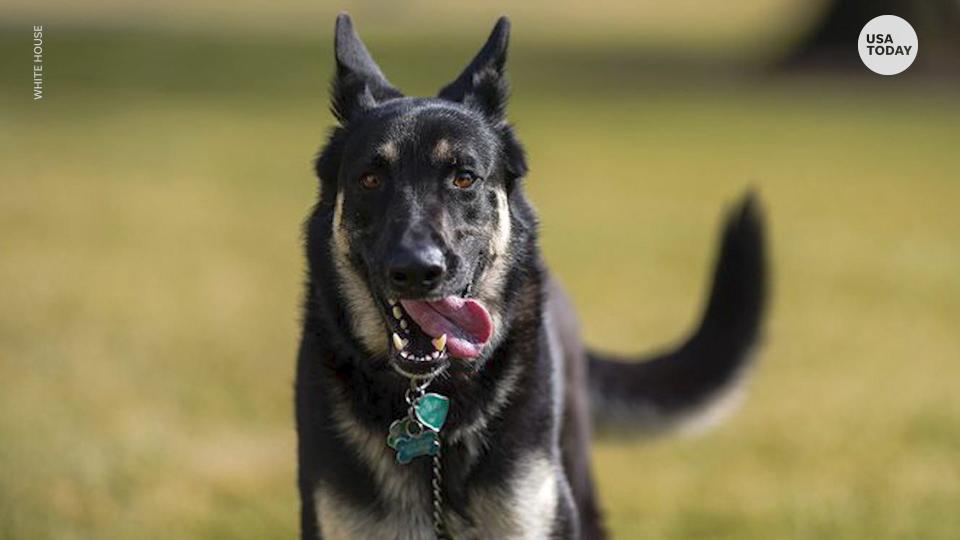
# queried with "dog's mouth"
point(426, 334)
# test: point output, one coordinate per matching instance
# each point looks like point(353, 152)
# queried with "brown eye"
point(464, 180)
point(370, 181)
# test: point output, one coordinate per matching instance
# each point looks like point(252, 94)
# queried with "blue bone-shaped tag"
point(410, 440)
point(415, 437)
point(424, 444)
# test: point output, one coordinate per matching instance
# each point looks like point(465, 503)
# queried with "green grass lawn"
point(150, 271)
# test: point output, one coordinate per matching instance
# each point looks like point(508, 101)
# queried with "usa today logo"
point(887, 45)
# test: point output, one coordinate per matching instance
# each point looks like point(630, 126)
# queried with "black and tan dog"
point(423, 259)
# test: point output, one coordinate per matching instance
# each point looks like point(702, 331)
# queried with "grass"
point(151, 267)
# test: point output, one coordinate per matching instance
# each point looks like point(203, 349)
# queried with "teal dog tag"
point(424, 444)
point(431, 410)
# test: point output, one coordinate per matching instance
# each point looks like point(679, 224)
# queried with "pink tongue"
point(466, 323)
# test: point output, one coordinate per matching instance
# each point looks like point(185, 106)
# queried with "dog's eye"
point(464, 180)
point(370, 181)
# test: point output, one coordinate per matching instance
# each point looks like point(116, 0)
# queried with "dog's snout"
point(416, 272)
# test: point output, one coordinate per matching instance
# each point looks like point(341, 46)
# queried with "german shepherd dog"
point(424, 267)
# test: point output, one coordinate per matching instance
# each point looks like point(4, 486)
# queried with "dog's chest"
point(521, 506)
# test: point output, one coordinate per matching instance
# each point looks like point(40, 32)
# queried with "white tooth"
point(404, 354)
point(403, 324)
point(399, 342)
point(440, 342)
point(435, 355)
point(397, 312)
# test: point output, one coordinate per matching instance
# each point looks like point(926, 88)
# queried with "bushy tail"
point(665, 391)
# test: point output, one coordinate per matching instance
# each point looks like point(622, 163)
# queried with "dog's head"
point(421, 226)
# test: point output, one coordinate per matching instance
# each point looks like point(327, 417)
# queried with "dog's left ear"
point(483, 84)
point(359, 84)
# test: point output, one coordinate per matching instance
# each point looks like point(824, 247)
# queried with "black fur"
point(414, 207)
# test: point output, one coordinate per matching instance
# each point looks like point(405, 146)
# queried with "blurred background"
point(150, 256)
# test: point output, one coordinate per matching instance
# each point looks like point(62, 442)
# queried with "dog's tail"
point(691, 385)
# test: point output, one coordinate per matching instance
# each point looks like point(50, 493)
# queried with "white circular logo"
point(887, 45)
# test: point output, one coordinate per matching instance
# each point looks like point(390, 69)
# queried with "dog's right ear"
point(358, 84)
point(483, 84)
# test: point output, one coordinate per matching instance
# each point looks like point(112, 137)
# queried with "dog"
point(424, 274)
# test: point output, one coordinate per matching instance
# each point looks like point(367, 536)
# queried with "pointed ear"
point(483, 84)
point(359, 84)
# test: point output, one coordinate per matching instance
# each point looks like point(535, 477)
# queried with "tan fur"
point(339, 520)
point(404, 496)
point(489, 287)
point(365, 318)
point(442, 152)
point(389, 151)
point(525, 509)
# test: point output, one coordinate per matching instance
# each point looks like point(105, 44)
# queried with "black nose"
point(416, 271)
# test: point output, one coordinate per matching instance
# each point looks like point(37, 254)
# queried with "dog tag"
point(424, 444)
point(431, 410)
